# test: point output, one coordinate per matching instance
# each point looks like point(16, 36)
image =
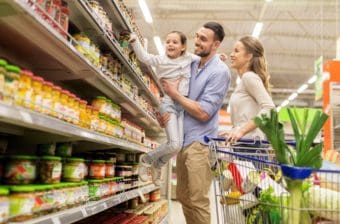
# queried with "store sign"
point(318, 83)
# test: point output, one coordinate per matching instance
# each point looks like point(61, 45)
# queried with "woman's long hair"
point(258, 63)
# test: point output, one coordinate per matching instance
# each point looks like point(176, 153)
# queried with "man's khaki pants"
point(194, 178)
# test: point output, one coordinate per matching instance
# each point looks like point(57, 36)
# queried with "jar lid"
point(3, 62)
point(4, 191)
point(83, 101)
point(89, 107)
point(38, 78)
point(75, 159)
point(98, 161)
point(27, 73)
point(13, 68)
point(73, 95)
point(109, 161)
point(23, 188)
point(95, 181)
point(23, 157)
point(57, 88)
point(51, 158)
point(101, 97)
point(48, 83)
point(65, 92)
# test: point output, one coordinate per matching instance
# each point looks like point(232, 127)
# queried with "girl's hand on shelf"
point(133, 38)
point(162, 119)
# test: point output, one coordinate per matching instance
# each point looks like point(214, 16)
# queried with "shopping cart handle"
point(207, 139)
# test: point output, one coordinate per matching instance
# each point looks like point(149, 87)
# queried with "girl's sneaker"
point(156, 176)
point(143, 169)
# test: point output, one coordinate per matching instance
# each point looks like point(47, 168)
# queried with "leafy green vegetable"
point(304, 154)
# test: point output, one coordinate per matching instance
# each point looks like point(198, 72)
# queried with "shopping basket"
point(250, 188)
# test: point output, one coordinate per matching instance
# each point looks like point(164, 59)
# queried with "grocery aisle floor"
point(176, 212)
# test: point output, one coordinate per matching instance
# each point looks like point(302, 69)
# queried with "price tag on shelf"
point(113, 202)
point(91, 210)
point(123, 197)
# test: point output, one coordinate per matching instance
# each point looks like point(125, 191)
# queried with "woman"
point(251, 97)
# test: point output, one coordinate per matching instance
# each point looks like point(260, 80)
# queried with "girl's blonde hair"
point(258, 63)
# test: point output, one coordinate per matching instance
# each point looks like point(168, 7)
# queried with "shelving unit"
point(55, 57)
point(32, 43)
point(22, 119)
point(91, 208)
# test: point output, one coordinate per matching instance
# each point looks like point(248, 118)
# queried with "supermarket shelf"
point(58, 59)
point(115, 14)
point(90, 208)
point(84, 19)
point(30, 119)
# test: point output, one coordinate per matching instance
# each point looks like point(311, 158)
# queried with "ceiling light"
point(257, 29)
point(312, 79)
point(292, 97)
point(159, 45)
point(145, 10)
point(269, 0)
point(284, 103)
point(302, 88)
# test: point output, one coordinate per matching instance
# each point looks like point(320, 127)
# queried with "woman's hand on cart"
point(231, 137)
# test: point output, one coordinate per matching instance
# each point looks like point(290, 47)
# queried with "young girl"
point(174, 65)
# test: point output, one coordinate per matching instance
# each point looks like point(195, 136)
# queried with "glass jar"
point(4, 205)
point(73, 170)
point(76, 110)
point(22, 200)
point(62, 106)
point(97, 169)
point(56, 91)
point(95, 119)
point(20, 169)
point(64, 149)
point(25, 89)
point(3, 71)
point(37, 95)
point(64, 17)
point(84, 119)
point(155, 195)
point(89, 110)
point(109, 169)
point(47, 98)
point(100, 104)
point(11, 83)
point(60, 196)
point(70, 107)
point(50, 169)
point(95, 189)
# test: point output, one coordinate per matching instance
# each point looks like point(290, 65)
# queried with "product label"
point(21, 205)
point(4, 210)
point(74, 171)
point(2, 85)
point(20, 171)
point(97, 170)
point(47, 106)
point(37, 102)
point(56, 171)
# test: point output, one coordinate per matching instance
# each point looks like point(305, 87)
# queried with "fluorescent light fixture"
point(159, 45)
point(292, 97)
point(284, 103)
point(145, 10)
point(257, 29)
point(312, 79)
point(302, 88)
point(269, 0)
point(278, 108)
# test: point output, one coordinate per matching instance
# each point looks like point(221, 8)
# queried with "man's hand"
point(162, 119)
point(171, 87)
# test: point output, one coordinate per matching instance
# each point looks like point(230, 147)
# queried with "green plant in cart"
point(305, 153)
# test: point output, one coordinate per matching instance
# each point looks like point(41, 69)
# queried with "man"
point(209, 82)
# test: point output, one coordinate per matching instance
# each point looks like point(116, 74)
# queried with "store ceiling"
point(295, 33)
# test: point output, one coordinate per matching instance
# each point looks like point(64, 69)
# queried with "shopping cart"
point(250, 188)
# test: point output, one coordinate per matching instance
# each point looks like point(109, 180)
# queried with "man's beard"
point(203, 54)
